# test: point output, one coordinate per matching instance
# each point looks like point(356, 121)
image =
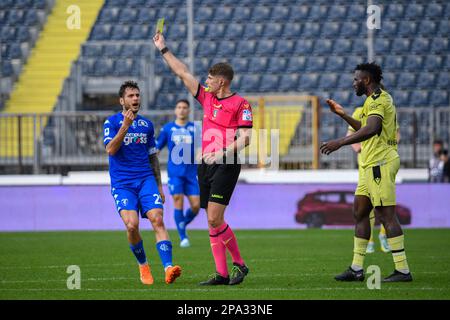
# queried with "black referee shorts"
point(217, 182)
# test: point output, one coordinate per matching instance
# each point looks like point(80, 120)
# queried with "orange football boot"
point(146, 274)
point(172, 273)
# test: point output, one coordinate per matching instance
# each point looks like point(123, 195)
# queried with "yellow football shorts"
point(380, 183)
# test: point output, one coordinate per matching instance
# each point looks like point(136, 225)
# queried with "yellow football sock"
point(398, 253)
point(382, 230)
point(372, 224)
point(359, 252)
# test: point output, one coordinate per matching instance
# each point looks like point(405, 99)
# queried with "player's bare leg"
point(395, 240)
point(163, 244)
point(361, 211)
point(131, 220)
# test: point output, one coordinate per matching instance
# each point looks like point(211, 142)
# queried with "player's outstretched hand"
point(128, 118)
point(330, 146)
point(158, 40)
point(336, 107)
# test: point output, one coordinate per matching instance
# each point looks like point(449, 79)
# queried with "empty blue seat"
point(444, 28)
point(337, 12)
point(344, 81)
point(439, 98)
point(335, 63)
point(273, 30)
point(127, 15)
point(120, 32)
point(446, 65)
point(240, 65)
point(110, 50)
point(328, 80)
point(249, 83)
point(269, 83)
point(284, 48)
point(253, 31)
point(204, 14)
point(7, 68)
point(340, 96)
point(265, 47)
point(394, 11)
point(246, 48)
point(8, 34)
point(414, 11)
point(308, 81)
point(288, 82)
point(382, 46)
point(136, 3)
point(323, 47)
point(433, 62)
point(350, 29)
point(87, 67)
point(427, 28)
point(100, 32)
point(200, 30)
point(257, 64)
point(413, 63)
point(169, 85)
point(177, 32)
point(180, 15)
point(260, 14)
point(280, 13)
point(130, 50)
point(226, 48)
point(439, 45)
point(299, 13)
point(14, 51)
point(103, 67)
point(234, 30)
point(318, 13)
point(359, 46)
point(39, 4)
point(330, 29)
point(304, 46)
point(241, 14)
point(161, 67)
point(426, 80)
point(407, 28)
point(23, 34)
point(420, 45)
point(356, 12)
point(277, 65)
point(108, 15)
point(206, 48)
point(169, 13)
point(443, 80)
point(388, 28)
point(223, 14)
point(401, 45)
point(310, 30)
point(141, 32)
point(31, 18)
point(292, 31)
point(393, 63)
point(342, 46)
point(147, 15)
point(389, 80)
point(201, 65)
point(164, 101)
point(296, 64)
point(406, 80)
point(352, 61)
point(215, 31)
point(126, 67)
point(315, 64)
point(16, 17)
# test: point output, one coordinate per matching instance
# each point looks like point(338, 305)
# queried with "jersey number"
point(157, 198)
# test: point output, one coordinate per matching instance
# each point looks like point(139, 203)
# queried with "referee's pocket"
point(376, 171)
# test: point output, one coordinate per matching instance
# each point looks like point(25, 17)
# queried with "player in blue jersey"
point(136, 179)
point(179, 137)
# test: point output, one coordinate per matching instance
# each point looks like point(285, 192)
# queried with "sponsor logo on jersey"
point(135, 138)
point(142, 123)
point(218, 196)
point(246, 115)
point(124, 202)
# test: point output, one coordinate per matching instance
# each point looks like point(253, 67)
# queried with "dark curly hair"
point(127, 84)
point(373, 69)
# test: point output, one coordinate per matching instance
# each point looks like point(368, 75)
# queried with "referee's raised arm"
point(178, 67)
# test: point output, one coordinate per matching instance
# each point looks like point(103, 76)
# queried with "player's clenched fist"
point(128, 118)
point(158, 39)
point(336, 107)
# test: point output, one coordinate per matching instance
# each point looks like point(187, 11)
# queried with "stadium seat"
point(269, 83)
point(419, 98)
point(109, 50)
point(335, 63)
point(241, 14)
point(413, 63)
point(323, 47)
point(200, 30)
point(226, 48)
point(350, 29)
point(40, 4)
point(433, 62)
point(340, 96)
point(292, 31)
point(103, 67)
point(308, 81)
point(87, 67)
point(401, 45)
point(288, 82)
point(352, 61)
point(120, 32)
point(280, 13)
point(359, 46)
point(328, 80)
point(249, 83)
point(177, 32)
point(393, 63)
point(260, 14)
point(439, 45)
point(407, 28)
point(233, 30)
point(265, 47)
point(310, 30)
point(246, 48)
point(439, 98)
point(272, 30)
point(388, 29)
point(146, 15)
point(240, 65)
point(414, 11)
point(444, 28)
point(434, 10)
point(253, 31)
point(206, 48)
point(257, 64)
point(406, 80)
point(318, 13)
point(130, 50)
point(337, 12)
point(31, 18)
point(342, 46)
point(127, 15)
point(330, 29)
point(389, 79)
point(284, 48)
point(14, 52)
point(356, 12)
point(382, 46)
point(180, 15)
point(277, 65)
point(394, 11)
point(169, 14)
point(304, 46)
point(427, 28)
point(344, 81)
point(443, 80)
point(141, 32)
point(299, 13)
point(161, 67)
point(7, 69)
point(126, 67)
point(223, 14)
point(100, 32)
point(426, 80)
point(296, 64)
point(16, 17)
point(420, 45)
point(108, 15)
point(8, 34)
point(23, 34)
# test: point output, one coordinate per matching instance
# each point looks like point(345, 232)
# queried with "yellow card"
point(160, 25)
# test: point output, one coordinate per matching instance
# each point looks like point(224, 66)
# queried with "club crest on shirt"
point(246, 115)
point(142, 123)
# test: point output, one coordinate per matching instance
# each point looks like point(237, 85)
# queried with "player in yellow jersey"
point(384, 246)
point(376, 130)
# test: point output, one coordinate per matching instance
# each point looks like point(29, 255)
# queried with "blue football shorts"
point(187, 185)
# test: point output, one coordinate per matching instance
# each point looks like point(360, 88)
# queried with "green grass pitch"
point(284, 264)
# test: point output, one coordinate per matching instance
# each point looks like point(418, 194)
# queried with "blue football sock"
point(181, 225)
point(138, 251)
point(165, 252)
point(189, 216)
